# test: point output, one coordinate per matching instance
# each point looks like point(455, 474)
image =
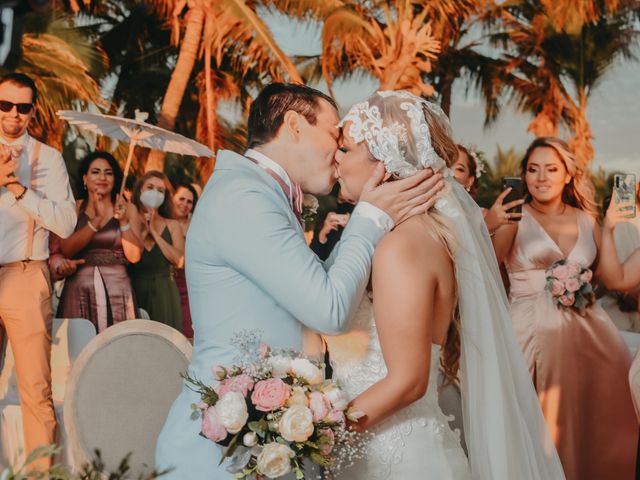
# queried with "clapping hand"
point(499, 214)
point(8, 166)
point(120, 209)
point(332, 222)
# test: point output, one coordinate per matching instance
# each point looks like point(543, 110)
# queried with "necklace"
point(564, 207)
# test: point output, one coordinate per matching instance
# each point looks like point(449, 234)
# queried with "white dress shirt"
point(363, 209)
point(50, 204)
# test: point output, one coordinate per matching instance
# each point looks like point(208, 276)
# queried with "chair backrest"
point(120, 391)
point(68, 337)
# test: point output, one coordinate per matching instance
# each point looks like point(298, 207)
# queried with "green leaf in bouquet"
point(299, 474)
point(320, 459)
point(586, 288)
point(260, 427)
point(233, 445)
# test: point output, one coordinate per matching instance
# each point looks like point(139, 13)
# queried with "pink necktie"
point(295, 197)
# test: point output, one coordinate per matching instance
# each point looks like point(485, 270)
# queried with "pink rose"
point(557, 288)
point(327, 441)
point(319, 405)
point(567, 300)
point(574, 268)
point(212, 426)
point(573, 285)
point(270, 394)
point(586, 276)
point(335, 416)
point(561, 272)
point(240, 383)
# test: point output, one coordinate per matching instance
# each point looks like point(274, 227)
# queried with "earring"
point(84, 185)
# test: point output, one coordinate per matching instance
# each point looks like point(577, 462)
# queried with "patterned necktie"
point(295, 197)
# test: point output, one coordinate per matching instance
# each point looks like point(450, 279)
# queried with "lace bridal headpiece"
point(394, 126)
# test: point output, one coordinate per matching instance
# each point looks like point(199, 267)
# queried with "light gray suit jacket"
point(248, 267)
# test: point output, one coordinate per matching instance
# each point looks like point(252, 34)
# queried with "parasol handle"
point(132, 146)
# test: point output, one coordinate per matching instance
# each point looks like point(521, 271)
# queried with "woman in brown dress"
point(578, 361)
point(94, 258)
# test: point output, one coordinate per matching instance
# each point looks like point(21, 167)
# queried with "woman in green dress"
point(153, 276)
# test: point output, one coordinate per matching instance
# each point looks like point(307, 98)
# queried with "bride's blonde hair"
point(447, 150)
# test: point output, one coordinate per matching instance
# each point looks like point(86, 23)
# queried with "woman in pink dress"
point(578, 361)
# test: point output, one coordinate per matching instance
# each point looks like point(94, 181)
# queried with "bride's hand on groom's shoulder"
point(403, 198)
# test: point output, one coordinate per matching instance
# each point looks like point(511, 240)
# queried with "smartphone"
point(516, 193)
point(624, 191)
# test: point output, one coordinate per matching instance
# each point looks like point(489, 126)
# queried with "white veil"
point(504, 428)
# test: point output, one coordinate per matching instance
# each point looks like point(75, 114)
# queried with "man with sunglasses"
point(35, 198)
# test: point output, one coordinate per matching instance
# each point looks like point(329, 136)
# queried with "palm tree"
point(59, 60)
point(212, 30)
point(551, 72)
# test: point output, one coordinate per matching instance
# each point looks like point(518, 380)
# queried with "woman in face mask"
point(93, 259)
point(163, 249)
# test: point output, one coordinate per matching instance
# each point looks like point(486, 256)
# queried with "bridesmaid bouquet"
point(570, 285)
point(274, 413)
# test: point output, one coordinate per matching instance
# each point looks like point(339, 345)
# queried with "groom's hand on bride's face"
point(403, 198)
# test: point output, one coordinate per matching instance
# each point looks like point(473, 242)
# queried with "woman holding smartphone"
point(577, 359)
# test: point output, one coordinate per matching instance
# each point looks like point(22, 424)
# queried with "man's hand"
point(68, 267)
point(403, 198)
point(8, 166)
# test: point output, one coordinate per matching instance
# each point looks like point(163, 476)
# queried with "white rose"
point(298, 397)
point(250, 439)
point(336, 396)
point(279, 366)
point(296, 424)
point(232, 411)
point(302, 367)
point(275, 460)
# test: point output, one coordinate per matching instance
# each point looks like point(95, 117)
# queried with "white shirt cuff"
point(379, 217)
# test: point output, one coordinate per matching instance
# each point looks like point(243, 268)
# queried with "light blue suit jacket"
point(248, 267)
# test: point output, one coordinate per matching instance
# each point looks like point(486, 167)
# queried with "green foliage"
point(94, 470)
point(506, 163)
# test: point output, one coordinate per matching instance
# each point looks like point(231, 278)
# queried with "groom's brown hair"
point(266, 115)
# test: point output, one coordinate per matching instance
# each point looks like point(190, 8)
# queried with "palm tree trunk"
point(581, 142)
point(187, 56)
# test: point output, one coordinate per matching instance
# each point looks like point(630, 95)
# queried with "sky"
point(613, 110)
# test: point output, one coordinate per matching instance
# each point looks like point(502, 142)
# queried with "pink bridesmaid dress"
point(579, 363)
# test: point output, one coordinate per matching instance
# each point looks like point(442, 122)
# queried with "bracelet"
point(124, 228)
point(90, 225)
point(21, 196)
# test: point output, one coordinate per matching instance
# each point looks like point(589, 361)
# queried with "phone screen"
point(624, 191)
point(516, 193)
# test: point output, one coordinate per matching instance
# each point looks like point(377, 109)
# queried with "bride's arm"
point(404, 289)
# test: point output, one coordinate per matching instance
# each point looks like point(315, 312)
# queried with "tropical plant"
point(59, 59)
point(222, 33)
point(506, 163)
point(553, 62)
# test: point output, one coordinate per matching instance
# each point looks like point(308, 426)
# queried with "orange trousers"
point(25, 312)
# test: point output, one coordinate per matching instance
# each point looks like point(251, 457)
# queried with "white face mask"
point(152, 198)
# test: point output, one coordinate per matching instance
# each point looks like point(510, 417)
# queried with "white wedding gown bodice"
point(415, 442)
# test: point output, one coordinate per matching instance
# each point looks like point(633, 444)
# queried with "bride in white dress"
point(437, 299)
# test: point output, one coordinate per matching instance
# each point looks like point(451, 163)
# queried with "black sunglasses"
point(23, 108)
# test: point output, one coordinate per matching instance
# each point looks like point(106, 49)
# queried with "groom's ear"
point(291, 125)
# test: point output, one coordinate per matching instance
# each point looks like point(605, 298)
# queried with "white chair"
point(69, 336)
point(120, 391)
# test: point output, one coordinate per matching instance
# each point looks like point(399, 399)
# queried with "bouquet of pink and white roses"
point(274, 413)
point(570, 285)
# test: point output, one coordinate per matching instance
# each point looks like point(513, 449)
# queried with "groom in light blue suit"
point(247, 263)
